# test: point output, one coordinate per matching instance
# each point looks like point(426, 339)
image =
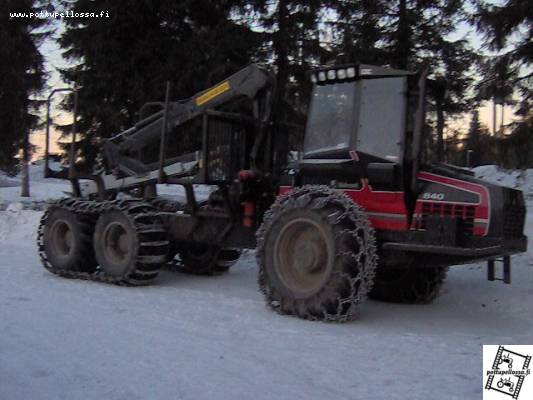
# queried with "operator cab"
point(358, 108)
point(366, 114)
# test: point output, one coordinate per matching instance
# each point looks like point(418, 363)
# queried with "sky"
point(52, 53)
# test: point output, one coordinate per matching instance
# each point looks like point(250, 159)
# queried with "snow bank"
point(18, 226)
point(518, 179)
point(41, 190)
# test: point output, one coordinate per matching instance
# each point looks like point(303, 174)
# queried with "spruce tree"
point(22, 77)
point(501, 23)
point(508, 31)
point(418, 36)
point(291, 43)
point(359, 31)
point(123, 61)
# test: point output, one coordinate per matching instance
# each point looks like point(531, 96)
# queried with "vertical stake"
point(161, 178)
point(72, 153)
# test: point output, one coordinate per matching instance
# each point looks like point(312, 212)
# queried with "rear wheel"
point(116, 244)
point(316, 255)
point(130, 243)
point(66, 239)
point(409, 285)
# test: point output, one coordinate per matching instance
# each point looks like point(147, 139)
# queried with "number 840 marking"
point(433, 196)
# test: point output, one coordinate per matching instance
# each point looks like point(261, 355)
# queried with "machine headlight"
point(350, 72)
point(341, 73)
point(331, 74)
point(321, 76)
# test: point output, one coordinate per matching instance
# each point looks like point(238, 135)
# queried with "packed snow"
point(189, 337)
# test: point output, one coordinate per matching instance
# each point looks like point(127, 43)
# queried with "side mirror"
point(381, 173)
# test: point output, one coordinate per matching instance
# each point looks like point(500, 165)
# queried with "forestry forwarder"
point(357, 191)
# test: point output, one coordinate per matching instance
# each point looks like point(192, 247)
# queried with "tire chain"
point(172, 206)
point(165, 205)
point(133, 210)
point(303, 197)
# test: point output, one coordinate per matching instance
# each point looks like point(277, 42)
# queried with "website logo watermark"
point(507, 372)
point(45, 14)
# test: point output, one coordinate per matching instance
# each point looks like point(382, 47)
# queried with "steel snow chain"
point(93, 209)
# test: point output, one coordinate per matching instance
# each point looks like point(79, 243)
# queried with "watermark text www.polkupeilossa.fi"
point(59, 14)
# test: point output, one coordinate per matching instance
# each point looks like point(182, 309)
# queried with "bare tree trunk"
point(280, 47)
point(25, 190)
point(403, 46)
point(440, 132)
point(502, 120)
point(494, 116)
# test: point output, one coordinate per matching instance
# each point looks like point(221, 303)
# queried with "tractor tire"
point(408, 285)
point(316, 254)
point(66, 241)
point(199, 260)
point(130, 244)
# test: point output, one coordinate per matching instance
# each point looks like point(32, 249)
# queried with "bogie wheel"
point(65, 241)
point(207, 260)
point(130, 244)
point(410, 285)
point(316, 254)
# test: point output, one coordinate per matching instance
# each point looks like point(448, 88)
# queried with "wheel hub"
point(116, 243)
point(62, 238)
point(302, 256)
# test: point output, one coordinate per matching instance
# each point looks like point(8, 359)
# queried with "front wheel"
point(316, 255)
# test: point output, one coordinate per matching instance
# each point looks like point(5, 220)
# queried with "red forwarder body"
point(387, 211)
point(365, 137)
point(465, 202)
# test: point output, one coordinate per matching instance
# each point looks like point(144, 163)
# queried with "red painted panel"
point(387, 211)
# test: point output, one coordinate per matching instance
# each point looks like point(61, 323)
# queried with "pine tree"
point(22, 77)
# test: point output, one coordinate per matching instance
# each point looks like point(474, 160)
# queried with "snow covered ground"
point(213, 338)
point(40, 189)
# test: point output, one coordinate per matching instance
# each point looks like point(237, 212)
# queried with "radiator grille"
point(459, 211)
point(513, 221)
